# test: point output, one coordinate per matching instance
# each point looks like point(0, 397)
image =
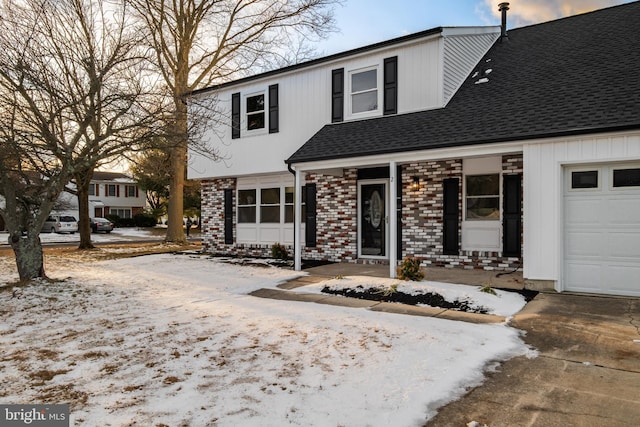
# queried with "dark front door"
point(373, 219)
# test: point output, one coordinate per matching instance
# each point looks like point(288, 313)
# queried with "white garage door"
point(602, 229)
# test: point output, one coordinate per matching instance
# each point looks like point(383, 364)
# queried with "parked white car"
point(60, 224)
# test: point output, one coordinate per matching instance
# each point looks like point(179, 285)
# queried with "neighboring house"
point(113, 193)
point(465, 147)
point(110, 193)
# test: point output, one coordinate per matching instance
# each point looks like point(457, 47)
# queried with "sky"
point(363, 22)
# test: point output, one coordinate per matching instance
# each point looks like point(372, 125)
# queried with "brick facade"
point(337, 217)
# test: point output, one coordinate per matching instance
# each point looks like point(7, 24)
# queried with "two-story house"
point(115, 193)
point(465, 147)
point(110, 193)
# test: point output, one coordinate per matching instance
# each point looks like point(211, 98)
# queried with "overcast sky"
point(363, 22)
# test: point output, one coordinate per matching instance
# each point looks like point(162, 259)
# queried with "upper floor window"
point(92, 189)
point(112, 190)
point(130, 190)
point(255, 112)
point(364, 91)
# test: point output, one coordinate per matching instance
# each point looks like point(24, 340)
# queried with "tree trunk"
point(83, 180)
point(29, 256)
point(175, 232)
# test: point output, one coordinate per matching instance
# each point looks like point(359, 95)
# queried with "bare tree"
point(199, 42)
point(70, 98)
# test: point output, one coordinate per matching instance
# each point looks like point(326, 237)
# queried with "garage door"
point(602, 229)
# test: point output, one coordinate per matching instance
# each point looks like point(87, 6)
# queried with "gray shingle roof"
point(575, 75)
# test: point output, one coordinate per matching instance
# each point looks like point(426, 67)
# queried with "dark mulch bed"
point(430, 299)
point(383, 295)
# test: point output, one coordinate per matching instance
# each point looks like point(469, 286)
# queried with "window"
point(626, 177)
point(130, 190)
point(246, 206)
point(122, 213)
point(289, 205)
point(255, 112)
point(92, 189)
point(364, 91)
point(270, 205)
point(483, 197)
point(584, 179)
point(112, 190)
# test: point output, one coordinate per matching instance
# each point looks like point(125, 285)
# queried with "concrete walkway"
point(587, 372)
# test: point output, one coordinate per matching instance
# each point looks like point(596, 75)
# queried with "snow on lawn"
point(174, 340)
point(125, 233)
point(503, 303)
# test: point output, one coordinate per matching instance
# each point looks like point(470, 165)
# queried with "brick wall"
point(336, 199)
point(422, 216)
point(337, 218)
point(212, 212)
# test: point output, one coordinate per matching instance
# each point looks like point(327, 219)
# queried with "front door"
point(372, 219)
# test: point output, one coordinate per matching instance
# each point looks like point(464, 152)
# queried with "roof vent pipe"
point(503, 7)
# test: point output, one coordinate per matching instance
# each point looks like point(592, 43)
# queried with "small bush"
point(144, 220)
point(410, 270)
point(487, 289)
point(279, 251)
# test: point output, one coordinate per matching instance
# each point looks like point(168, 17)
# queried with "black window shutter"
point(235, 115)
point(512, 215)
point(273, 109)
point(337, 95)
point(310, 224)
point(391, 85)
point(451, 216)
point(228, 217)
point(399, 211)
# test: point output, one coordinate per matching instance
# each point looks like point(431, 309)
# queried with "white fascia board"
point(469, 31)
point(413, 156)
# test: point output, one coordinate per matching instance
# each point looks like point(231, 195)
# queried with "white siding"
point(543, 190)
point(305, 100)
point(461, 55)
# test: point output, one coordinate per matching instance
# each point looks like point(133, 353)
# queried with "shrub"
point(115, 219)
point(410, 270)
point(144, 220)
point(487, 289)
point(279, 251)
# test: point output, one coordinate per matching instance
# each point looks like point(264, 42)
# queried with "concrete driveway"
point(587, 372)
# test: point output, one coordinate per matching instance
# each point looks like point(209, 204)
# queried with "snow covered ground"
point(172, 340)
point(118, 234)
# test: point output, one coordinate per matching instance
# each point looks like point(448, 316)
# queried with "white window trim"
point(622, 166)
point(284, 229)
point(486, 234)
point(348, 93)
point(585, 168)
point(244, 114)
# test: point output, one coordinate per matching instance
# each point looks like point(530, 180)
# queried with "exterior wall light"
point(415, 183)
